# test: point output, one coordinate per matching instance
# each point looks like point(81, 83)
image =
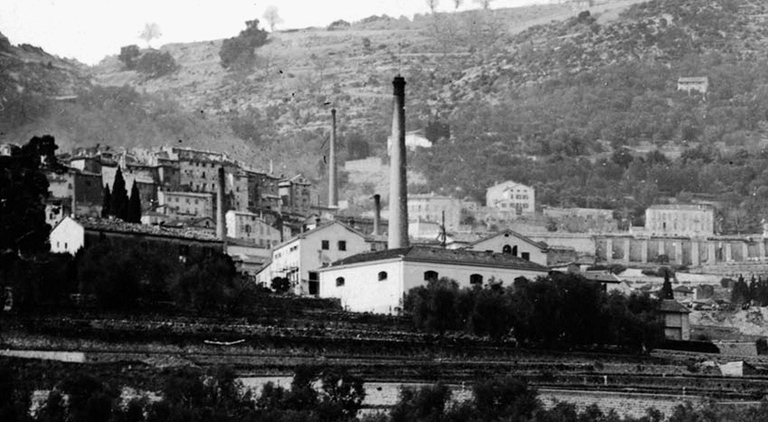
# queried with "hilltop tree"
point(272, 16)
point(238, 52)
point(128, 55)
point(485, 4)
point(150, 32)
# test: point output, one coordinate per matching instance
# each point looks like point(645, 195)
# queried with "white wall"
point(67, 237)
point(414, 274)
point(362, 290)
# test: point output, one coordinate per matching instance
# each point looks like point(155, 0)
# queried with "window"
point(382, 275)
point(342, 245)
point(430, 275)
point(506, 249)
point(526, 256)
point(325, 245)
point(339, 281)
point(475, 279)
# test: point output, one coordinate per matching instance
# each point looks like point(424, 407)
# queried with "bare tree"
point(432, 4)
point(457, 4)
point(272, 16)
point(485, 4)
point(150, 32)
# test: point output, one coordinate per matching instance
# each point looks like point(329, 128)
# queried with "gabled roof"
point(444, 256)
point(539, 245)
point(320, 227)
point(673, 306)
point(119, 226)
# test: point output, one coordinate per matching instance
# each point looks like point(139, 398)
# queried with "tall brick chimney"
point(398, 205)
point(221, 224)
point(376, 214)
point(333, 190)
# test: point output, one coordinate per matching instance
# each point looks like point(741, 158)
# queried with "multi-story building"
point(245, 225)
point(83, 189)
point(263, 191)
point(299, 258)
point(186, 205)
point(294, 195)
point(680, 220)
point(511, 198)
point(434, 208)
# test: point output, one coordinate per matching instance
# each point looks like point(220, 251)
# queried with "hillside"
point(565, 86)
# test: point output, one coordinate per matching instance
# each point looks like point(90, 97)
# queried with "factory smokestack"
point(333, 191)
point(221, 229)
point(376, 214)
point(398, 206)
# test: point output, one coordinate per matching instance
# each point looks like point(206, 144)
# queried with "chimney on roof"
point(333, 192)
point(221, 229)
point(376, 214)
point(398, 206)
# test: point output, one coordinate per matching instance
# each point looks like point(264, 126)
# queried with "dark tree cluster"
point(754, 292)
point(239, 51)
point(118, 204)
point(150, 62)
point(560, 310)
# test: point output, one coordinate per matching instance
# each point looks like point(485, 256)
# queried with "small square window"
point(342, 245)
point(325, 245)
point(339, 281)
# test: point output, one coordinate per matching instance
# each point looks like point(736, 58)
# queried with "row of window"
point(428, 276)
point(326, 245)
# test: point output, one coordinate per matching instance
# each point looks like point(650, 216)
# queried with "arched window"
point(506, 249)
point(475, 279)
point(339, 281)
point(430, 275)
point(382, 275)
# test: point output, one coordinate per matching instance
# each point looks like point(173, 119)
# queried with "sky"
point(89, 30)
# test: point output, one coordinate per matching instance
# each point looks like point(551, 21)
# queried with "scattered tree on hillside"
point(128, 55)
point(150, 32)
point(457, 4)
point(485, 4)
point(272, 17)
point(432, 5)
point(238, 52)
point(156, 63)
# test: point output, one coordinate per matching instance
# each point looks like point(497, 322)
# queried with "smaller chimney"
point(221, 229)
point(376, 214)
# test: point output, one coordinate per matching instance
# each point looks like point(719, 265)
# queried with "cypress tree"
point(134, 206)
point(666, 288)
point(106, 202)
point(119, 206)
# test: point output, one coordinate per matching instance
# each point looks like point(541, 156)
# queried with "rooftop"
point(119, 226)
point(673, 306)
point(447, 256)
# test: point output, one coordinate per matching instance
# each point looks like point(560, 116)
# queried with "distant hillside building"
point(295, 195)
point(688, 84)
point(431, 208)
point(511, 198)
point(514, 244)
point(186, 205)
point(680, 220)
point(248, 226)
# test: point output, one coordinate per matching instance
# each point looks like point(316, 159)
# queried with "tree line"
point(556, 311)
point(316, 394)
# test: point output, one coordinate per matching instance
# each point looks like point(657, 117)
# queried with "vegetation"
point(239, 51)
point(557, 311)
point(150, 62)
point(754, 292)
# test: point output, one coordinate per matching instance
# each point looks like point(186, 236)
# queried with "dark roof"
point(119, 226)
point(446, 256)
point(601, 277)
point(539, 245)
point(672, 306)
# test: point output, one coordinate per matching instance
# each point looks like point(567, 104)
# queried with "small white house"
point(378, 281)
point(67, 237)
point(300, 258)
point(511, 198)
point(513, 243)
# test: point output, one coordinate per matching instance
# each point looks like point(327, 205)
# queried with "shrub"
point(156, 63)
